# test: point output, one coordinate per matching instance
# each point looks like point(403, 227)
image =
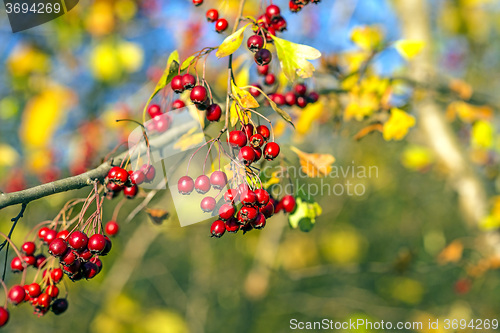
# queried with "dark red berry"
point(313, 97)
point(270, 79)
point(69, 258)
point(40, 260)
point(263, 70)
point(85, 254)
point(56, 274)
point(262, 196)
point(137, 177)
point(267, 210)
point(188, 81)
point(237, 139)
point(212, 15)
point(78, 240)
point(202, 184)
point(89, 270)
point(208, 204)
point(58, 247)
point(154, 110)
point(273, 12)
point(120, 176)
point(214, 112)
point(255, 43)
point(300, 89)
point(218, 179)
point(232, 225)
point(248, 129)
point(226, 211)
point(231, 195)
point(288, 203)
point(279, 99)
point(29, 248)
point(198, 95)
point(221, 25)
point(264, 131)
point(253, 91)
point(130, 191)
point(107, 248)
point(294, 8)
point(279, 24)
point(270, 32)
point(259, 222)
point(97, 262)
point(177, 84)
point(197, 2)
point(178, 104)
point(59, 306)
point(185, 185)
point(4, 316)
point(218, 229)
point(257, 140)
point(112, 228)
point(149, 172)
point(96, 243)
point(301, 102)
point(263, 57)
point(258, 153)
point(114, 187)
point(246, 155)
point(247, 214)
point(271, 151)
point(290, 98)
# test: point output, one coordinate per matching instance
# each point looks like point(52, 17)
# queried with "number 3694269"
point(475, 324)
point(35, 8)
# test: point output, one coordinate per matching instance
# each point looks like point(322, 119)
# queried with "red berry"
point(197, 2)
point(97, 262)
point(257, 140)
point(130, 191)
point(271, 151)
point(248, 198)
point(243, 188)
point(246, 155)
point(69, 258)
point(58, 247)
point(56, 274)
point(279, 24)
point(290, 98)
point(294, 8)
point(34, 289)
point(40, 261)
point(149, 172)
point(259, 222)
point(237, 139)
point(188, 81)
point(218, 179)
point(288, 203)
point(212, 15)
point(77, 240)
point(313, 97)
point(59, 306)
point(263, 57)
point(255, 43)
point(113, 187)
point(30, 260)
point(29, 248)
point(112, 172)
point(253, 91)
point(214, 112)
point(44, 300)
point(120, 176)
point(4, 316)
point(16, 265)
point(178, 104)
point(202, 184)
point(62, 234)
point(84, 254)
point(279, 99)
point(270, 32)
point(232, 225)
point(208, 204)
point(154, 110)
point(226, 211)
point(221, 25)
point(42, 232)
point(301, 102)
point(270, 79)
point(218, 228)
point(248, 129)
point(258, 153)
point(263, 70)
point(262, 196)
point(177, 84)
point(112, 228)
point(17, 294)
point(108, 246)
point(96, 243)
point(137, 177)
point(50, 236)
point(52, 291)
point(161, 124)
point(267, 210)
point(264, 131)
point(263, 21)
point(185, 185)
point(231, 195)
point(198, 95)
point(273, 12)
point(90, 270)
point(247, 214)
point(300, 89)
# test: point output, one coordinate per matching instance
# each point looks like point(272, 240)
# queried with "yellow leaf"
point(245, 99)
point(186, 63)
point(243, 77)
point(417, 158)
point(368, 38)
point(231, 43)
point(409, 48)
point(315, 165)
point(482, 134)
point(398, 125)
point(294, 58)
point(190, 139)
point(310, 113)
point(233, 114)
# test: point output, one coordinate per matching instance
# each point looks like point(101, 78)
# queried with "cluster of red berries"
point(203, 184)
point(250, 141)
point(119, 179)
point(160, 122)
point(199, 95)
point(78, 257)
point(213, 16)
point(297, 5)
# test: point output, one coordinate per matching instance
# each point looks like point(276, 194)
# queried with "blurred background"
point(402, 251)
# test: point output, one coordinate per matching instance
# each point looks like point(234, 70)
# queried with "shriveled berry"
point(263, 57)
point(202, 184)
point(185, 185)
point(218, 228)
point(218, 179)
point(214, 112)
point(208, 204)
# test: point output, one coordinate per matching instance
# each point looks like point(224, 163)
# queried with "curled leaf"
point(315, 165)
point(294, 58)
point(157, 215)
point(231, 43)
point(244, 97)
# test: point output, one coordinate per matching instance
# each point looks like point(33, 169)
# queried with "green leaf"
point(282, 113)
point(186, 63)
point(231, 43)
point(304, 215)
point(170, 71)
point(294, 58)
